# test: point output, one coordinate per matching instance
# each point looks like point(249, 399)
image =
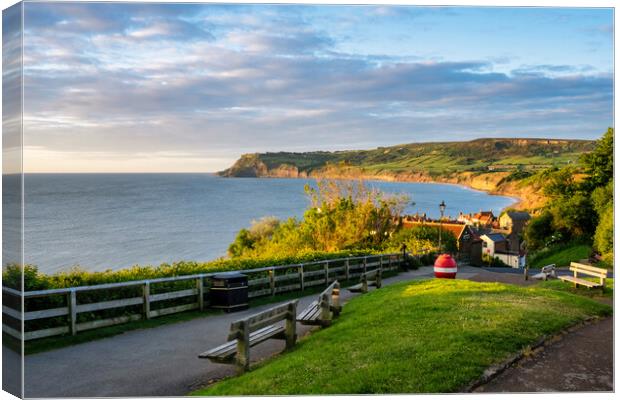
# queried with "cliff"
point(497, 166)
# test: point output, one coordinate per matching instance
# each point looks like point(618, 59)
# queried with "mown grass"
point(561, 256)
point(430, 336)
point(556, 284)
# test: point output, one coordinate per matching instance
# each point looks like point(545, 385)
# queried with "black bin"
point(229, 291)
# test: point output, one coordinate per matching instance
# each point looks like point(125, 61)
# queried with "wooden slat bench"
point(546, 272)
point(253, 330)
point(372, 278)
point(324, 309)
point(578, 268)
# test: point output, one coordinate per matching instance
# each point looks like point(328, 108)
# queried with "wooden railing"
point(75, 311)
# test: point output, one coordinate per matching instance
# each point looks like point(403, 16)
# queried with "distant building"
point(479, 219)
point(514, 221)
point(492, 243)
point(463, 233)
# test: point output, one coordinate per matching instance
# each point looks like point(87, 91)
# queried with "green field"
point(431, 336)
point(437, 158)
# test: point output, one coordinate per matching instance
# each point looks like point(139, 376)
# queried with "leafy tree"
point(602, 197)
point(539, 231)
point(560, 183)
point(599, 164)
point(574, 217)
point(341, 216)
point(604, 235)
point(247, 239)
point(422, 240)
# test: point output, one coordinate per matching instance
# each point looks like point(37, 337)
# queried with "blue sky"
point(190, 87)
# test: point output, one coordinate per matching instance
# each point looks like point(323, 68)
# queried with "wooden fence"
point(72, 310)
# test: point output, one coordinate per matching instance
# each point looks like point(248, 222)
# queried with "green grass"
point(561, 256)
point(556, 284)
point(430, 336)
point(434, 158)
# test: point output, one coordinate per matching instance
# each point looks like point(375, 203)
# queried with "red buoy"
point(445, 267)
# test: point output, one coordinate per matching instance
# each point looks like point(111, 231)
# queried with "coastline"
point(486, 182)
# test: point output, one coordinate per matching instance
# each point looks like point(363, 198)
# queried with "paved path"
point(159, 361)
point(580, 361)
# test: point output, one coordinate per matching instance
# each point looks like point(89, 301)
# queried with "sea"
point(113, 221)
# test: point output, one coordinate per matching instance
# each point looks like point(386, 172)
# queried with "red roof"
point(457, 229)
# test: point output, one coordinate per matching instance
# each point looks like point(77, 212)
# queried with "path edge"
point(497, 369)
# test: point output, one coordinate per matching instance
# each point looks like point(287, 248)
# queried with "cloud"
point(188, 82)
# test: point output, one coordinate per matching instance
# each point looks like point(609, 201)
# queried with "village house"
point(492, 243)
point(463, 233)
point(479, 219)
point(514, 221)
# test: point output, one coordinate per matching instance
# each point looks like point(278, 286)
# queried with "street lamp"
point(442, 208)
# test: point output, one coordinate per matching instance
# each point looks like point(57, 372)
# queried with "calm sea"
point(101, 221)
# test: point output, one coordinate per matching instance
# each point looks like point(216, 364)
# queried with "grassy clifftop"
point(439, 158)
point(485, 164)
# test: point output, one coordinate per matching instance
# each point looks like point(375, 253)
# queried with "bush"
point(421, 240)
point(493, 261)
point(604, 235)
point(342, 216)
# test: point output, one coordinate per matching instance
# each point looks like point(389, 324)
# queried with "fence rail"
point(144, 303)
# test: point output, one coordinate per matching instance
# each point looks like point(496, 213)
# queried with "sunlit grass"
point(429, 336)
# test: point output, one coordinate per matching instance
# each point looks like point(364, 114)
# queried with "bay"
point(113, 221)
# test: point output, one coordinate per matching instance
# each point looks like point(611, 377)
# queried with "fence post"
point(365, 257)
point(146, 300)
point(301, 277)
point(326, 272)
point(381, 262)
point(346, 269)
point(72, 303)
point(201, 293)
point(390, 262)
point(272, 281)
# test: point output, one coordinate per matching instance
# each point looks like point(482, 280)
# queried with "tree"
point(604, 235)
point(422, 239)
point(574, 217)
point(560, 183)
point(539, 231)
point(599, 163)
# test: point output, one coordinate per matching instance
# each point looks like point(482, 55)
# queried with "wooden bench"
point(253, 330)
point(546, 272)
point(578, 268)
point(322, 311)
point(372, 278)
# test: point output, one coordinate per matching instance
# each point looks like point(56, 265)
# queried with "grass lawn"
point(429, 336)
point(561, 256)
point(556, 284)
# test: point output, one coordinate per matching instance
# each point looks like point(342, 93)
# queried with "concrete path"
point(581, 361)
point(159, 361)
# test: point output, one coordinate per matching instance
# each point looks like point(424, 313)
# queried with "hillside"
point(494, 165)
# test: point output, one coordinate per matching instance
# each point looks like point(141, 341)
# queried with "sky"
point(144, 87)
